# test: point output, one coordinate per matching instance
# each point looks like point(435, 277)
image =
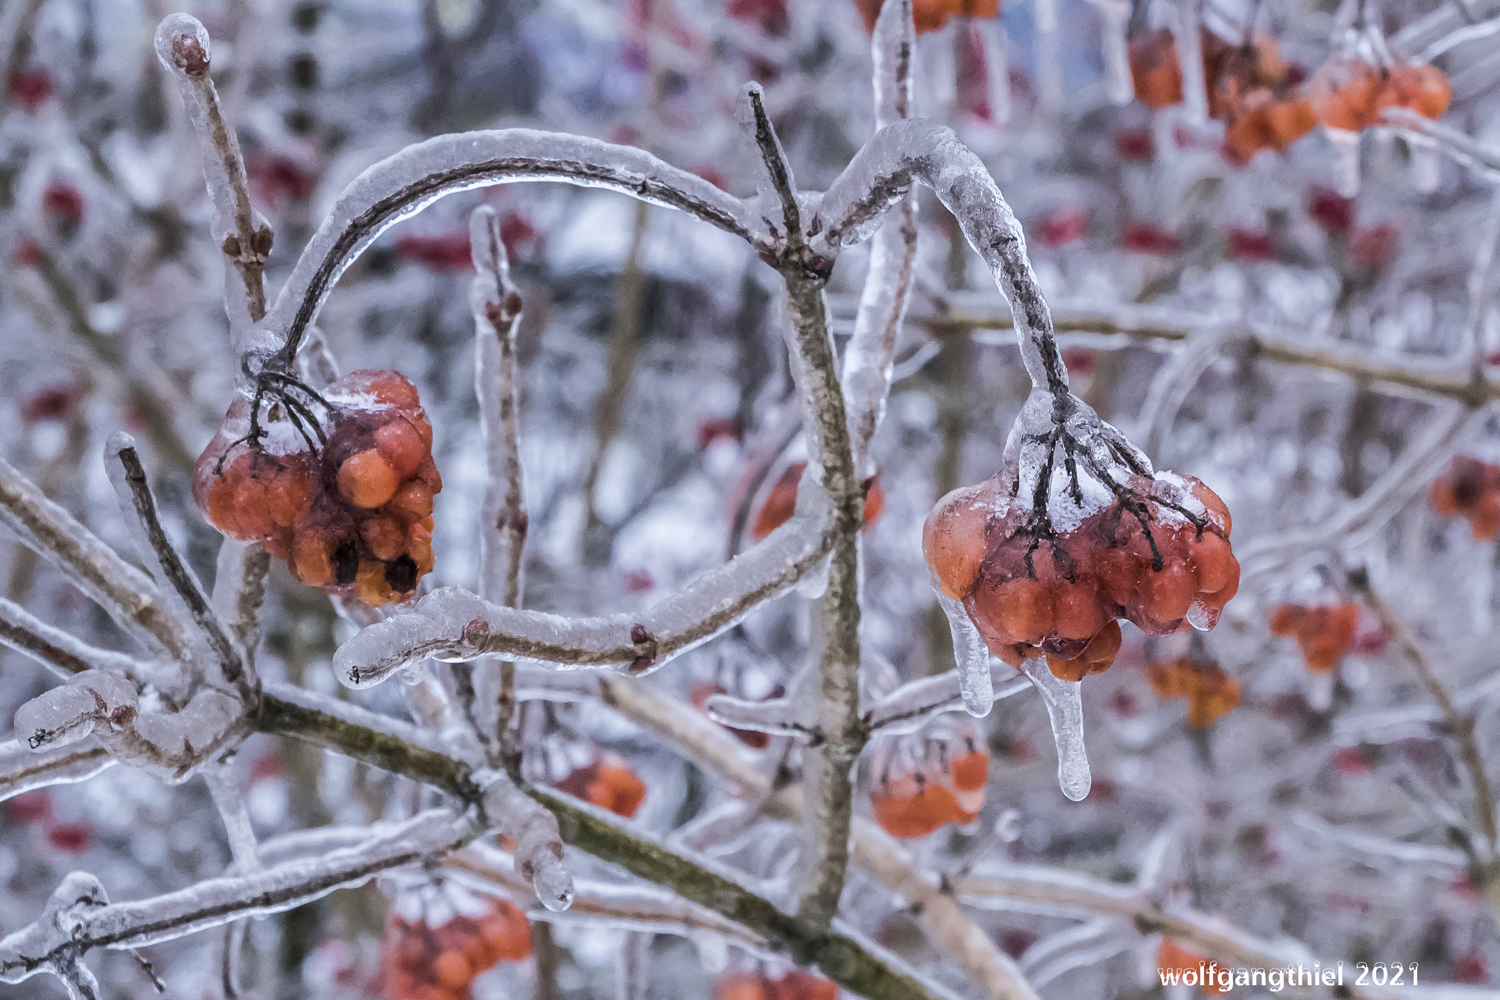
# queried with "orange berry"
point(401, 446)
point(288, 494)
point(1290, 120)
point(221, 508)
point(428, 473)
point(742, 986)
point(1286, 619)
point(1213, 562)
point(366, 480)
point(1166, 594)
point(453, 970)
point(427, 524)
point(874, 501)
point(1155, 69)
point(1172, 957)
point(971, 770)
point(1078, 612)
point(1026, 608)
point(1218, 510)
point(413, 502)
point(953, 539)
point(251, 508)
point(311, 562)
point(370, 584)
point(913, 809)
point(384, 536)
point(388, 387)
point(419, 547)
point(801, 985)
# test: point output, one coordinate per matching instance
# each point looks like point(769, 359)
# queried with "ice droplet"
point(813, 585)
point(972, 657)
point(1345, 160)
point(1064, 701)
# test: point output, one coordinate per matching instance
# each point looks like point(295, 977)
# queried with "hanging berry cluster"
point(1470, 488)
point(437, 952)
point(1325, 632)
point(795, 985)
point(1210, 692)
point(1265, 103)
point(922, 782)
point(781, 502)
point(608, 783)
point(1158, 555)
point(337, 484)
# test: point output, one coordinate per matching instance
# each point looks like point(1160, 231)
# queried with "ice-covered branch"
point(217, 649)
point(1481, 158)
point(59, 650)
point(912, 705)
point(496, 305)
point(79, 917)
point(129, 597)
point(405, 183)
point(619, 906)
point(868, 357)
point(916, 150)
point(240, 590)
point(1460, 724)
point(23, 769)
point(182, 46)
point(454, 624)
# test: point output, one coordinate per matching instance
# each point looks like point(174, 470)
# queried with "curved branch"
point(922, 151)
point(405, 183)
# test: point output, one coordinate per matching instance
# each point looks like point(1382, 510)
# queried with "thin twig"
point(1460, 724)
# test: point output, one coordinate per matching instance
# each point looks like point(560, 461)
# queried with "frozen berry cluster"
point(419, 961)
point(1325, 632)
point(345, 501)
point(608, 783)
point(921, 783)
point(1158, 555)
point(1209, 691)
point(1471, 489)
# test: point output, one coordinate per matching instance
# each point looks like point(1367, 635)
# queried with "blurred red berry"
point(1332, 211)
point(1250, 244)
point(1134, 144)
point(449, 252)
point(1063, 226)
point(1373, 247)
point(1142, 237)
point(28, 807)
point(29, 88)
point(70, 838)
point(50, 404)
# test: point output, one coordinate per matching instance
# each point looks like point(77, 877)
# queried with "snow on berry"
point(337, 484)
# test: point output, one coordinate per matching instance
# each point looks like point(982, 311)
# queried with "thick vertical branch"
point(496, 305)
point(829, 805)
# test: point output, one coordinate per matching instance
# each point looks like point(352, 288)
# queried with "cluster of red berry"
point(1209, 691)
point(1157, 555)
point(1262, 99)
point(781, 502)
point(607, 783)
point(795, 985)
point(1325, 632)
point(353, 516)
point(931, 15)
point(421, 962)
point(921, 783)
point(1470, 488)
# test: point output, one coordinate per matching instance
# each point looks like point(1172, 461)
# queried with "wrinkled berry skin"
point(1156, 558)
point(353, 518)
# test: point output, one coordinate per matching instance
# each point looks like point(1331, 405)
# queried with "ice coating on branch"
point(43, 945)
point(23, 769)
point(454, 624)
point(539, 849)
point(892, 46)
point(68, 713)
point(127, 594)
point(971, 655)
point(1064, 701)
point(909, 707)
point(405, 183)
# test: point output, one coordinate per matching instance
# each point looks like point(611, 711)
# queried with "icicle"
point(1064, 701)
point(231, 806)
point(1118, 83)
point(713, 951)
point(1426, 164)
point(1190, 55)
point(1048, 58)
point(971, 655)
point(997, 67)
point(539, 849)
point(1345, 160)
